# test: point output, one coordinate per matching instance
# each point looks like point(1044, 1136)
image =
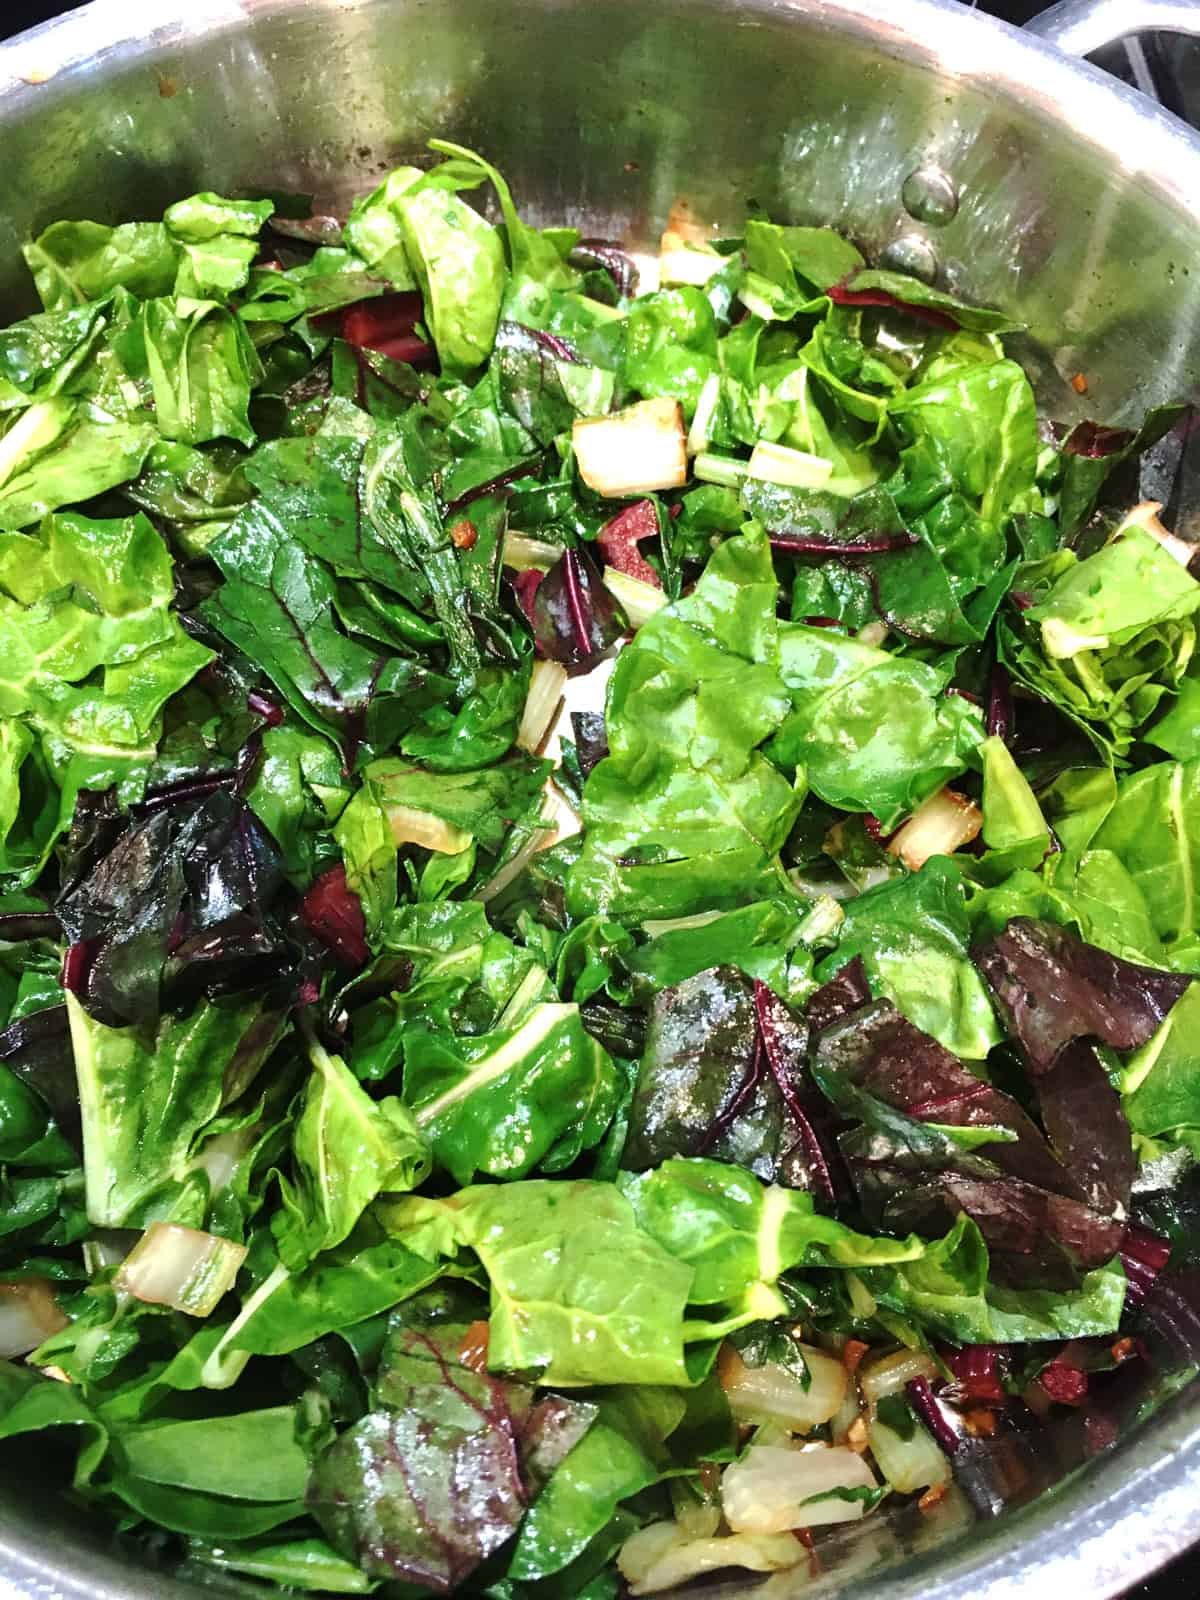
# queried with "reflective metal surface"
point(1058, 195)
point(1082, 26)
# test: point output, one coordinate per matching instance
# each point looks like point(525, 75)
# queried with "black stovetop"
point(1169, 68)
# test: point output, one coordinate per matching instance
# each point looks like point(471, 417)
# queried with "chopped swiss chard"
point(1054, 988)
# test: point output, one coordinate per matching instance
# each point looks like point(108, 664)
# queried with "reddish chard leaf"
point(1052, 987)
point(387, 324)
point(428, 1486)
point(332, 911)
point(619, 539)
point(161, 905)
point(1084, 1121)
point(876, 1065)
point(576, 621)
point(785, 1046)
point(704, 1087)
point(846, 991)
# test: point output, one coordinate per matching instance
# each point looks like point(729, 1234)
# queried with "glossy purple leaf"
point(547, 1434)
point(1052, 987)
point(576, 621)
point(1095, 440)
point(846, 991)
point(425, 1488)
point(785, 1045)
point(1018, 1219)
point(331, 910)
point(841, 296)
point(38, 1050)
point(1144, 1255)
point(880, 1051)
point(705, 1086)
point(1086, 1125)
point(176, 900)
point(591, 739)
point(621, 535)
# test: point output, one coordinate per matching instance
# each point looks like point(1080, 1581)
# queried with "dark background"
point(1172, 69)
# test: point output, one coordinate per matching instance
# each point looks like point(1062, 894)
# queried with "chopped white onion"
point(772, 1488)
point(772, 1394)
point(907, 1464)
point(1145, 516)
point(29, 1314)
point(660, 1556)
point(946, 821)
point(796, 469)
point(639, 600)
point(892, 1373)
point(846, 1415)
point(636, 451)
point(184, 1268)
point(410, 826)
point(546, 684)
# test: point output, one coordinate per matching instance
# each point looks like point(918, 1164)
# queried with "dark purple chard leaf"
point(1091, 452)
point(846, 991)
point(428, 1486)
point(18, 926)
point(784, 1043)
point(591, 739)
point(704, 1086)
point(576, 621)
point(333, 912)
point(158, 906)
point(1018, 1219)
point(1000, 703)
point(1082, 1115)
point(879, 1052)
point(1052, 987)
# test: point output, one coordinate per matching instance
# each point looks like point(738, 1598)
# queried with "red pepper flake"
point(852, 1353)
point(933, 1497)
point(1079, 383)
point(1066, 1385)
point(1124, 1350)
point(464, 535)
point(473, 1351)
